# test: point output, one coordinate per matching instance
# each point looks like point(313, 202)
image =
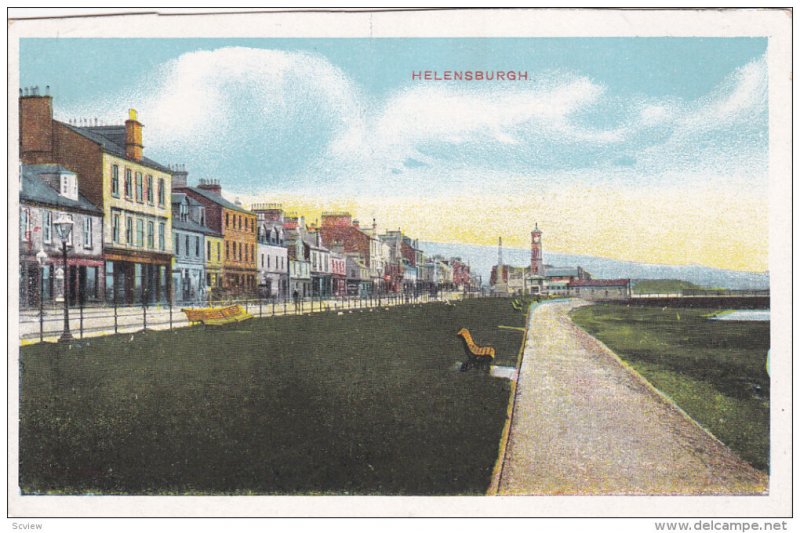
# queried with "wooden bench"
point(477, 356)
point(217, 316)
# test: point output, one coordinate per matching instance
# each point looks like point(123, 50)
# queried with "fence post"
point(170, 315)
point(81, 315)
point(144, 315)
point(260, 302)
point(115, 311)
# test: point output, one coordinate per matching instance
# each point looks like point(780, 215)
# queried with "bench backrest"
point(474, 349)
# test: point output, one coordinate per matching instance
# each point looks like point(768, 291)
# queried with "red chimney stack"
point(35, 127)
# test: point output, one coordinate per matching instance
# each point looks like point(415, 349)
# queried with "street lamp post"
point(63, 225)
point(41, 257)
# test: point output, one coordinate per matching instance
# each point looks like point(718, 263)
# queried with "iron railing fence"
point(95, 320)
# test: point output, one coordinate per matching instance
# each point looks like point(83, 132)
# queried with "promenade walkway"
point(104, 320)
point(585, 424)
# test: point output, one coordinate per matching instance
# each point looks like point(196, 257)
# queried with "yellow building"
point(214, 260)
point(133, 191)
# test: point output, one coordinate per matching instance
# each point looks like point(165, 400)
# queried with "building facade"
point(341, 234)
point(213, 264)
point(601, 289)
point(46, 193)
point(273, 262)
point(558, 278)
point(320, 259)
point(461, 273)
point(188, 268)
point(338, 274)
point(274, 269)
point(238, 229)
point(358, 277)
point(191, 283)
point(299, 253)
point(132, 191)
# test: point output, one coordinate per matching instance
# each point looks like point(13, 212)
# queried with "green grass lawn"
point(361, 403)
point(714, 370)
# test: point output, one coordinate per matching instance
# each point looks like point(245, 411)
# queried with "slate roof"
point(35, 189)
point(191, 225)
point(178, 197)
point(217, 199)
point(109, 140)
point(312, 242)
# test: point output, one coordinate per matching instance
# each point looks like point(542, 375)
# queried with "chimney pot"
point(211, 185)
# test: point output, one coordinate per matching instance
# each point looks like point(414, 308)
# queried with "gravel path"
point(585, 424)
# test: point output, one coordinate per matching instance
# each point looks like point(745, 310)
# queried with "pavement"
point(585, 424)
point(101, 320)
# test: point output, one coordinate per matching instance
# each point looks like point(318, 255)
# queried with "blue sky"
point(342, 118)
point(294, 122)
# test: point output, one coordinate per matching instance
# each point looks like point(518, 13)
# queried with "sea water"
point(745, 315)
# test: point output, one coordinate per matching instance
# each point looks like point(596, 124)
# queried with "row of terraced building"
point(142, 233)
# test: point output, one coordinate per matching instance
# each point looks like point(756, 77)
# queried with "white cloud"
point(739, 98)
point(425, 114)
point(206, 106)
point(205, 102)
point(715, 134)
point(655, 114)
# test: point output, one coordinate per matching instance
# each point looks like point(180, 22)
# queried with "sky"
point(652, 150)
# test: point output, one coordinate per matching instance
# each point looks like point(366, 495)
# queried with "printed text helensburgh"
point(469, 75)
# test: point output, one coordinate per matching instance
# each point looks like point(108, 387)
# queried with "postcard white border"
point(774, 24)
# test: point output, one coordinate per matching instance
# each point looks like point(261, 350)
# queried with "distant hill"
point(662, 286)
point(482, 258)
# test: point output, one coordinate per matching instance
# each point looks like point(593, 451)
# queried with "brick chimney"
point(272, 212)
point(180, 176)
point(133, 136)
point(211, 186)
point(336, 218)
point(35, 126)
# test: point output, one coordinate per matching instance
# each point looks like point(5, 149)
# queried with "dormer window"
point(68, 185)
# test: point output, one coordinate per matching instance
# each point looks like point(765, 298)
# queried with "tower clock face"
point(536, 239)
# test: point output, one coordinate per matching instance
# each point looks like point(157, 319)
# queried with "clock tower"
point(537, 267)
